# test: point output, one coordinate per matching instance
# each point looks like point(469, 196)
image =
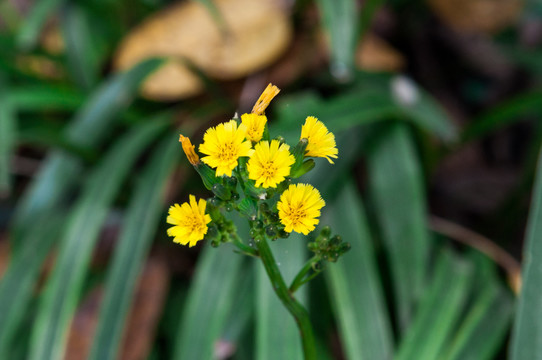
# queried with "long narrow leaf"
point(30, 30)
point(88, 129)
point(438, 311)
point(44, 97)
point(49, 335)
point(21, 275)
point(7, 137)
point(397, 192)
point(340, 20)
point(142, 219)
point(354, 283)
point(527, 333)
point(209, 303)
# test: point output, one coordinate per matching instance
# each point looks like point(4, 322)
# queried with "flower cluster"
point(252, 173)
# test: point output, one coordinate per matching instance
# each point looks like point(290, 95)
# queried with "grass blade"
point(439, 310)
point(396, 187)
point(44, 97)
point(141, 222)
point(354, 283)
point(365, 104)
point(80, 43)
point(88, 129)
point(18, 282)
point(209, 303)
point(31, 29)
point(340, 20)
point(502, 115)
point(277, 336)
point(527, 332)
point(487, 319)
point(7, 137)
point(62, 292)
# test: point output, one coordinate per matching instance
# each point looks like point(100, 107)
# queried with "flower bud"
point(265, 98)
point(189, 150)
point(307, 166)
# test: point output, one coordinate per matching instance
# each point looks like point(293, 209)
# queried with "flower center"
point(227, 152)
point(269, 169)
point(194, 224)
point(296, 214)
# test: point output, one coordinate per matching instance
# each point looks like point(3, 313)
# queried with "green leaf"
point(80, 43)
point(63, 289)
point(371, 100)
point(487, 319)
point(277, 335)
point(18, 282)
point(354, 283)
point(397, 190)
point(143, 216)
point(340, 20)
point(8, 124)
point(209, 303)
point(44, 97)
point(31, 28)
point(88, 129)
point(503, 114)
point(439, 310)
point(527, 332)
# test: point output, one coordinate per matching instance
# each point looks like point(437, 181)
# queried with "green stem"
point(297, 310)
point(245, 249)
point(300, 277)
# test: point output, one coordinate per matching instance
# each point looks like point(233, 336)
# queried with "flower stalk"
point(293, 306)
point(255, 176)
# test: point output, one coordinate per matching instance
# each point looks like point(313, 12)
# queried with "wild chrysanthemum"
point(189, 220)
point(255, 126)
point(270, 163)
point(299, 208)
point(224, 144)
point(321, 141)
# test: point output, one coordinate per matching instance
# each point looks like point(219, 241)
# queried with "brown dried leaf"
point(257, 32)
point(374, 54)
point(478, 16)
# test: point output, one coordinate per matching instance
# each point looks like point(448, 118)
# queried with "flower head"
point(255, 126)
point(270, 163)
point(265, 98)
point(189, 220)
point(189, 150)
point(299, 208)
point(224, 144)
point(321, 141)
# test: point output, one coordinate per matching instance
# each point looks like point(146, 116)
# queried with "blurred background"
point(436, 108)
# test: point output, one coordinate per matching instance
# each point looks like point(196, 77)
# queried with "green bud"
point(271, 231)
point(307, 166)
point(299, 154)
point(230, 182)
point(221, 191)
point(259, 193)
point(325, 232)
point(280, 139)
point(283, 234)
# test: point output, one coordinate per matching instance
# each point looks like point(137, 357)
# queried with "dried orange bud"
point(265, 98)
point(189, 150)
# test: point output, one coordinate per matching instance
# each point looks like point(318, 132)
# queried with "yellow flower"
point(190, 221)
point(189, 150)
point(321, 141)
point(224, 145)
point(270, 163)
point(299, 208)
point(255, 126)
point(265, 98)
